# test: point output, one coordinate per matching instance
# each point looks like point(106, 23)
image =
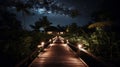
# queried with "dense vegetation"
point(101, 37)
point(17, 43)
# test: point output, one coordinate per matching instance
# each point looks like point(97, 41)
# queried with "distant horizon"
point(86, 8)
point(54, 19)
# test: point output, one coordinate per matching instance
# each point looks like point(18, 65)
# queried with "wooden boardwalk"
point(58, 55)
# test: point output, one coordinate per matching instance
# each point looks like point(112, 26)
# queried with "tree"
point(45, 22)
point(36, 27)
point(100, 24)
point(73, 27)
point(41, 23)
point(9, 23)
point(20, 6)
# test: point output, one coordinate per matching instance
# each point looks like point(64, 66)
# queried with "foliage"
point(73, 27)
point(45, 22)
point(16, 43)
point(104, 44)
point(100, 24)
point(37, 26)
point(41, 23)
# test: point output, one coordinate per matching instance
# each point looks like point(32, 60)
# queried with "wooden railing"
point(89, 58)
point(25, 62)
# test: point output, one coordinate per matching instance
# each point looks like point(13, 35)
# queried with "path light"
point(50, 40)
point(67, 41)
point(42, 44)
point(39, 46)
point(51, 45)
point(62, 41)
point(79, 46)
point(65, 45)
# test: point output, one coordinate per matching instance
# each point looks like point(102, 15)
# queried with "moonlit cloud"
point(49, 12)
point(56, 16)
point(41, 10)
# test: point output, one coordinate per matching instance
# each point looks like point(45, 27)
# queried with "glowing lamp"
point(42, 43)
point(79, 46)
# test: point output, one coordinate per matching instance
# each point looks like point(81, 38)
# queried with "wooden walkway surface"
point(58, 55)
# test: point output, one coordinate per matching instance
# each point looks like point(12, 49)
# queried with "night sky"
point(86, 8)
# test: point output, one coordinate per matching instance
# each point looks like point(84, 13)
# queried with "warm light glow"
point(61, 33)
point(51, 45)
point(65, 45)
point(62, 41)
point(39, 46)
point(42, 43)
point(79, 46)
point(54, 41)
point(67, 41)
point(49, 32)
point(50, 40)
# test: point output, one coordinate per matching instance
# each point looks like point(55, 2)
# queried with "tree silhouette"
point(100, 24)
point(73, 27)
point(41, 23)
point(37, 26)
point(23, 8)
point(45, 22)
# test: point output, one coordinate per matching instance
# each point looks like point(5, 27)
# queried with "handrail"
point(90, 54)
point(85, 51)
point(25, 61)
point(77, 55)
